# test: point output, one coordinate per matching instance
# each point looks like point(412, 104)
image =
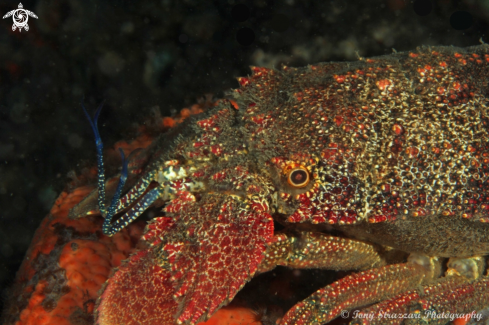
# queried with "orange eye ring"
point(298, 177)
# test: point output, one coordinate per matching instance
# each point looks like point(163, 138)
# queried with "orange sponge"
point(233, 316)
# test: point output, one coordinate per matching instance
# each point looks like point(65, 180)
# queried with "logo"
point(20, 17)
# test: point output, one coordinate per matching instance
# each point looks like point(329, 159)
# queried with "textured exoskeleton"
point(392, 152)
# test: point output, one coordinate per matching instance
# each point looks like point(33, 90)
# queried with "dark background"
point(162, 56)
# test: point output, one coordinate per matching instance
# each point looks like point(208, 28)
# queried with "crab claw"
point(140, 292)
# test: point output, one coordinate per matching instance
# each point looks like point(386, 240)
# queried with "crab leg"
point(464, 300)
point(353, 291)
point(451, 298)
point(462, 291)
point(403, 304)
point(316, 250)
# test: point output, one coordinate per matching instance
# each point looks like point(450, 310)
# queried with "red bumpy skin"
point(391, 150)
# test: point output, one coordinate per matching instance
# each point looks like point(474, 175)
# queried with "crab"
point(378, 167)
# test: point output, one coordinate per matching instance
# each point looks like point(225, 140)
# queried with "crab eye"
point(298, 177)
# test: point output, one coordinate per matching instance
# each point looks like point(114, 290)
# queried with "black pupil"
point(298, 176)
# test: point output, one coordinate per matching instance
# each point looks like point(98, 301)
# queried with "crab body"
point(391, 152)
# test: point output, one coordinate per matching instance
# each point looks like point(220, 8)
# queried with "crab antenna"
point(122, 180)
point(100, 158)
point(108, 228)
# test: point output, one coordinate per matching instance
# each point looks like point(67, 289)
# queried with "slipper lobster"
point(380, 166)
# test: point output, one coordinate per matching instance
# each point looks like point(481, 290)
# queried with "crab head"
point(270, 154)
